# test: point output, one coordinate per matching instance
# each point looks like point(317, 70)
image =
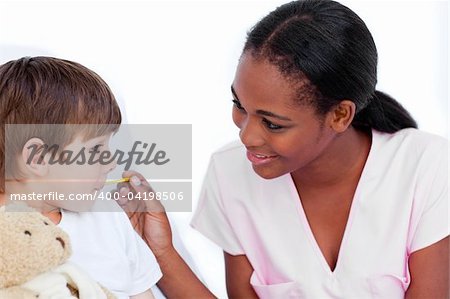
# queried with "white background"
point(173, 62)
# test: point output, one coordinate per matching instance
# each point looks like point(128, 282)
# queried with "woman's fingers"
point(137, 178)
point(145, 211)
point(125, 197)
point(145, 194)
point(137, 195)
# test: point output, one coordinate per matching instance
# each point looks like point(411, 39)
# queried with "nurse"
point(331, 192)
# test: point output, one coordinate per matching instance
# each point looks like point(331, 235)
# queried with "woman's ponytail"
point(383, 114)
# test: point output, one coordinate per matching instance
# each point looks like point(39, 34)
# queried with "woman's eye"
point(237, 104)
point(271, 126)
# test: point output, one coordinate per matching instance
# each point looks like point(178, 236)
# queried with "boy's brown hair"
point(47, 90)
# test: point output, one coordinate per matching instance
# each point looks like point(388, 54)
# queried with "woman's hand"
point(148, 217)
point(150, 221)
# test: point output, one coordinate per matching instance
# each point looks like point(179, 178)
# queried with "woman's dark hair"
point(328, 50)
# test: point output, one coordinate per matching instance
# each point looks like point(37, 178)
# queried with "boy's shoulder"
point(105, 218)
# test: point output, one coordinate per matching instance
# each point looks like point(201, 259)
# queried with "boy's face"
point(81, 175)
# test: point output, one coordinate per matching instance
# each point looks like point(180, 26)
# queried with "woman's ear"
point(342, 115)
point(35, 157)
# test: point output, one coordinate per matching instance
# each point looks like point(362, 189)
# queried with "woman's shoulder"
point(412, 140)
point(409, 151)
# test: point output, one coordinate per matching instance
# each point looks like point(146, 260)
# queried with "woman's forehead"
point(259, 79)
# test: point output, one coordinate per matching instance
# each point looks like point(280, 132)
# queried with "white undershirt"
point(105, 245)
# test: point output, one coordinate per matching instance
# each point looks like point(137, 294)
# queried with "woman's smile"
point(260, 159)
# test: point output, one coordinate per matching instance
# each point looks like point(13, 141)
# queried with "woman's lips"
point(259, 159)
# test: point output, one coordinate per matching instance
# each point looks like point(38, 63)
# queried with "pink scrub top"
point(400, 206)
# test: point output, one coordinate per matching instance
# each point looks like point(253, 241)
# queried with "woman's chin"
point(267, 172)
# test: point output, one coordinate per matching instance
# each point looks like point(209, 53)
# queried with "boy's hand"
point(147, 217)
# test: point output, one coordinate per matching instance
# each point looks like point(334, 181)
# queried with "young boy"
point(59, 100)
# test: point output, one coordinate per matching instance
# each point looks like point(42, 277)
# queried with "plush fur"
point(33, 259)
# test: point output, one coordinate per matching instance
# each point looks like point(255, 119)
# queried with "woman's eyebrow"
point(271, 114)
point(261, 112)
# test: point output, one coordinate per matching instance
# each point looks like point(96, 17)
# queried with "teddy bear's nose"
point(61, 241)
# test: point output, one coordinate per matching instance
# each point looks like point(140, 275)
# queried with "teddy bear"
point(33, 259)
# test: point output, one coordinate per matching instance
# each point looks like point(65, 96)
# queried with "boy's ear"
point(341, 116)
point(34, 157)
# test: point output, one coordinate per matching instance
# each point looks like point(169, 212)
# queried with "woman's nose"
point(250, 134)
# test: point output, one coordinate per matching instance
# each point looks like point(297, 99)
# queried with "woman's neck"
point(343, 160)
